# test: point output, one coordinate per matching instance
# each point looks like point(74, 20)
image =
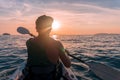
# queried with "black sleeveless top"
point(36, 53)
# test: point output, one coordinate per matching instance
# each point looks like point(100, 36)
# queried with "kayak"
point(104, 72)
point(67, 73)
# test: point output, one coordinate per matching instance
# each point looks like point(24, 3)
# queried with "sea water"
point(101, 48)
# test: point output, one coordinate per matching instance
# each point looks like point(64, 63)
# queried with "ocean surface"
point(101, 48)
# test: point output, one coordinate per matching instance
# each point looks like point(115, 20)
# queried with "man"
point(44, 53)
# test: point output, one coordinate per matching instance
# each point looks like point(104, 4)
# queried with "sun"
point(55, 25)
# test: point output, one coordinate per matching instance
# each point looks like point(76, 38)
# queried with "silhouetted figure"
point(44, 53)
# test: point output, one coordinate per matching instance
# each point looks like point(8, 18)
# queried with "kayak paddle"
point(103, 71)
point(23, 30)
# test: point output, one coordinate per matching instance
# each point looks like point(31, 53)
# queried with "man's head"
point(44, 23)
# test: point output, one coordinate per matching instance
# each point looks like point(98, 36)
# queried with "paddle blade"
point(103, 71)
point(23, 30)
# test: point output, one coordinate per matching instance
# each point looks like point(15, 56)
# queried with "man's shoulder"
point(56, 41)
point(29, 41)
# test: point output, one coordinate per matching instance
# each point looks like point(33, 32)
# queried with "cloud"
point(5, 4)
point(103, 3)
point(13, 8)
point(79, 11)
point(31, 7)
point(85, 13)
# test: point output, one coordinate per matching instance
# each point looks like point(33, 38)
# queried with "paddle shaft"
point(31, 34)
point(76, 58)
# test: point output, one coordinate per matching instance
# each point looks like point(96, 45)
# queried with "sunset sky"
point(74, 16)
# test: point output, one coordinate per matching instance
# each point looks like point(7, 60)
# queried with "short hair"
point(43, 22)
